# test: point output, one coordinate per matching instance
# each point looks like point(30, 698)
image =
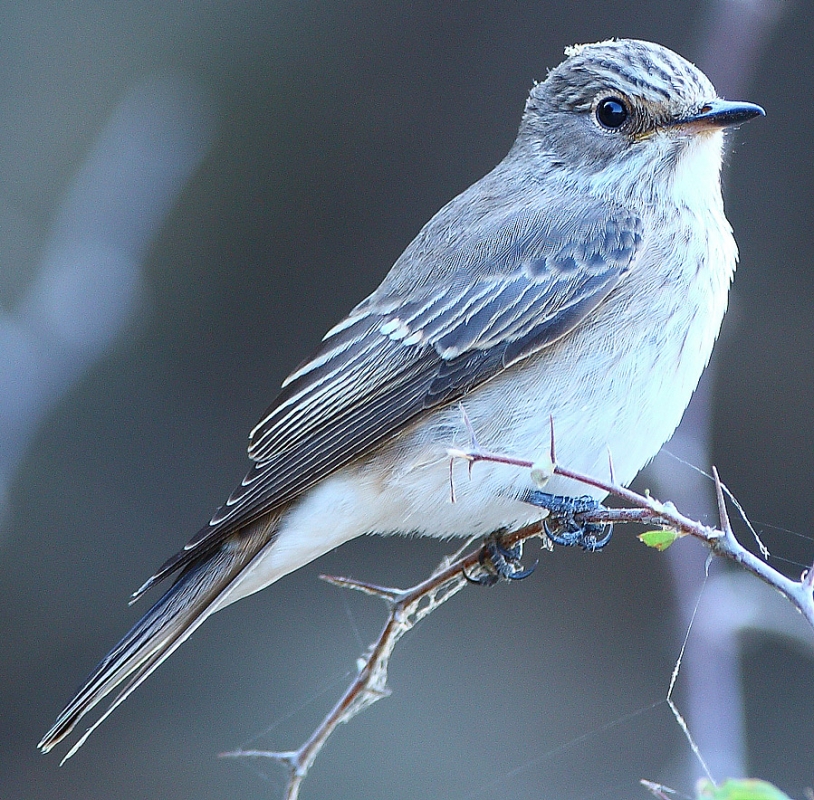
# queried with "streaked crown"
point(648, 72)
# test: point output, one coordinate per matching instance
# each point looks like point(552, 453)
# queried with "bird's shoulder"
point(507, 224)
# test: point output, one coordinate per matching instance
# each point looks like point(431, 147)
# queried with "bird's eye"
point(611, 112)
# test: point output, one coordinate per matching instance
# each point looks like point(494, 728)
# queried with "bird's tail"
point(199, 590)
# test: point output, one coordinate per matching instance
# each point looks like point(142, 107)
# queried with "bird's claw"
point(590, 536)
point(563, 525)
point(498, 561)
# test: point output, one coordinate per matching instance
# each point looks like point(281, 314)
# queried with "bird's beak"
point(720, 114)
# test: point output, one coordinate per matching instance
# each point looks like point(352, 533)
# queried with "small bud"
point(541, 471)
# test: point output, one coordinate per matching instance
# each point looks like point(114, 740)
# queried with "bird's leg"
point(563, 524)
point(499, 561)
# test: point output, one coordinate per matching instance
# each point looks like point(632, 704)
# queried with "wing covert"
point(516, 290)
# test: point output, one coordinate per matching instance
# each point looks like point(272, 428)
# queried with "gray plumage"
point(398, 356)
point(584, 278)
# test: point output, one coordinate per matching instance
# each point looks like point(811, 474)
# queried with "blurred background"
point(190, 195)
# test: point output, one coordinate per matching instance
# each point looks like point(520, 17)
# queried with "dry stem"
point(408, 606)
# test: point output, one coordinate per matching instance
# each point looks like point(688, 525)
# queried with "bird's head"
point(626, 112)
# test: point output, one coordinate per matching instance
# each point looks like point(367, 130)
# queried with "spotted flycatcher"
point(583, 279)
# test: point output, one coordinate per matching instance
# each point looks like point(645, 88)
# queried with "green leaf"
point(661, 540)
point(745, 789)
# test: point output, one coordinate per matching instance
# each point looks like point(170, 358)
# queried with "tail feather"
point(172, 620)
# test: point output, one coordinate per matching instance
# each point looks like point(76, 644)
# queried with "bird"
point(583, 280)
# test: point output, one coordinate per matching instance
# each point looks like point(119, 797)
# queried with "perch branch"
point(406, 607)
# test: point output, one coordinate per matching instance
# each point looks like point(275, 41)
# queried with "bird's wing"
point(519, 288)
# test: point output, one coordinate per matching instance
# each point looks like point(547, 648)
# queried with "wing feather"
point(501, 297)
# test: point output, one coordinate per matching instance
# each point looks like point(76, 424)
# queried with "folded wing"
point(521, 286)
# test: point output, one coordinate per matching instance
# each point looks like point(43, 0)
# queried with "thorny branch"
point(406, 607)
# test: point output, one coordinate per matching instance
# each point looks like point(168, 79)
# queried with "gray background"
point(340, 127)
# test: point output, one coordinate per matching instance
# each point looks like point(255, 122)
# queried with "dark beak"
point(721, 114)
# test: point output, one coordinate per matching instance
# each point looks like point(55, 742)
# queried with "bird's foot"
point(498, 561)
point(563, 525)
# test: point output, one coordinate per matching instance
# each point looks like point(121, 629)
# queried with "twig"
point(406, 607)
point(721, 541)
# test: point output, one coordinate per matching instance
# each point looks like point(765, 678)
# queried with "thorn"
point(289, 758)
point(726, 525)
point(451, 482)
point(657, 789)
point(473, 440)
point(388, 595)
point(454, 452)
point(470, 457)
point(474, 447)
